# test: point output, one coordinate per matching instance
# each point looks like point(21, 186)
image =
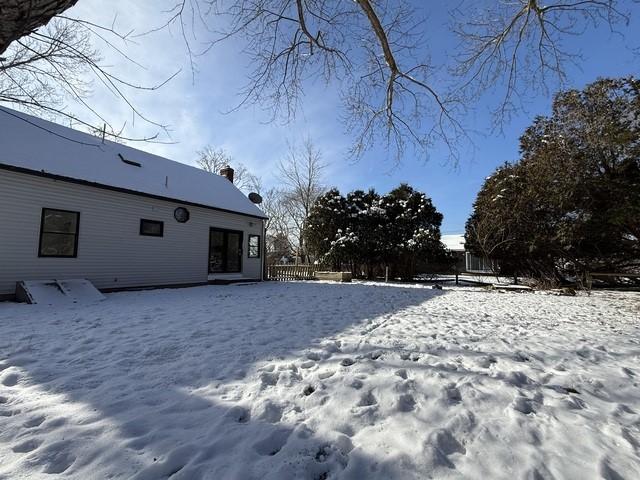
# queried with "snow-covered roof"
point(455, 243)
point(31, 143)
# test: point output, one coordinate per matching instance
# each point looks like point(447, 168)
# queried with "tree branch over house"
point(44, 69)
point(376, 53)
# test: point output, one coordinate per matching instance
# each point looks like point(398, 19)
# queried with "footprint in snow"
point(269, 379)
point(270, 412)
point(486, 361)
point(628, 372)
point(10, 380)
point(135, 428)
point(34, 422)
point(523, 404)
point(54, 458)
point(440, 445)
point(367, 400)
point(315, 356)
point(516, 378)
point(357, 384)
point(346, 429)
point(574, 403)
point(27, 446)
point(520, 357)
point(347, 362)
point(414, 357)
point(451, 394)
point(630, 437)
point(323, 453)
point(607, 471)
point(272, 443)
point(333, 347)
point(406, 403)
point(173, 463)
point(539, 472)
point(326, 374)
point(238, 414)
point(8, 413)
point(405, 386)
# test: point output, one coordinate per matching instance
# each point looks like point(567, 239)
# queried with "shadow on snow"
point(153, 373)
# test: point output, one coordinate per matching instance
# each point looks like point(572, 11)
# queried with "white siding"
point(111, 252)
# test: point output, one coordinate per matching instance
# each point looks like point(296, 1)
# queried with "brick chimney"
point(227, 172)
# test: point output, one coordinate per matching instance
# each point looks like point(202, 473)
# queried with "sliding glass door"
point(225, 251)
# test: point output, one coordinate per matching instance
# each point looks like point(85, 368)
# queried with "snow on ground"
point(322, 381)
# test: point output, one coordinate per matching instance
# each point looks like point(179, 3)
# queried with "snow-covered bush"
point(366, 232)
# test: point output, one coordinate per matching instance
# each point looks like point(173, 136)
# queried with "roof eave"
point(42, 173)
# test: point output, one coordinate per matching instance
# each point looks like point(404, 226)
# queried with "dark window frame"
point(225, 248)
point(146, 220)
point(249, 237)
point(76, 234)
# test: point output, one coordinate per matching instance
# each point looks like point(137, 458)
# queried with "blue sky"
point(193, 106)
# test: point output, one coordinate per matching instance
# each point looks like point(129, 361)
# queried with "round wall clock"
point(181, 215)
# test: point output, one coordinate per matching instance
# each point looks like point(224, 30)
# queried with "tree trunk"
point(21, 17)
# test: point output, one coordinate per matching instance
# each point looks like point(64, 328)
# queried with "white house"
point(456, 245)
point(77, 206)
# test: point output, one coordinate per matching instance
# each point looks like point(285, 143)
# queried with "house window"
point(151, 228)
point(59, 233)
point(254, 246)
point(225, 251)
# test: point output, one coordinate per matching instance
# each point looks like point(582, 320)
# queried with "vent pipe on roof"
point(129, 162)
point(227, 172)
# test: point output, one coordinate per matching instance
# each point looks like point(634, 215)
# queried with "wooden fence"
point(291, 272)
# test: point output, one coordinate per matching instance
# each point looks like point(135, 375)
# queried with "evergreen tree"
point(365, 232)
point(572, 203)
point(327, 219)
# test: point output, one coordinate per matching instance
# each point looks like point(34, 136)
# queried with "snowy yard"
point(322, 381)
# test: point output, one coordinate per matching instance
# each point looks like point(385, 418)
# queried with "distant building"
point(455, 244)
point(465, 261)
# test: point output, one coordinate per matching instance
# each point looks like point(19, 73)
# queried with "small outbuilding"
point(465, 261)
point(78, 206)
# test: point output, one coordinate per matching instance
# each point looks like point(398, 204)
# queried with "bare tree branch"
point(213, 160)
point(373, 51)
point(44, 70)
point(519, 45)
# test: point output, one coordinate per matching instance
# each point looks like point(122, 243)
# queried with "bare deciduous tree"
point(301, 174)
point(213, 160)
point(279, 240)
point(372, 48)
point(44, 69)
point(375, 51)
point(519, 46)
